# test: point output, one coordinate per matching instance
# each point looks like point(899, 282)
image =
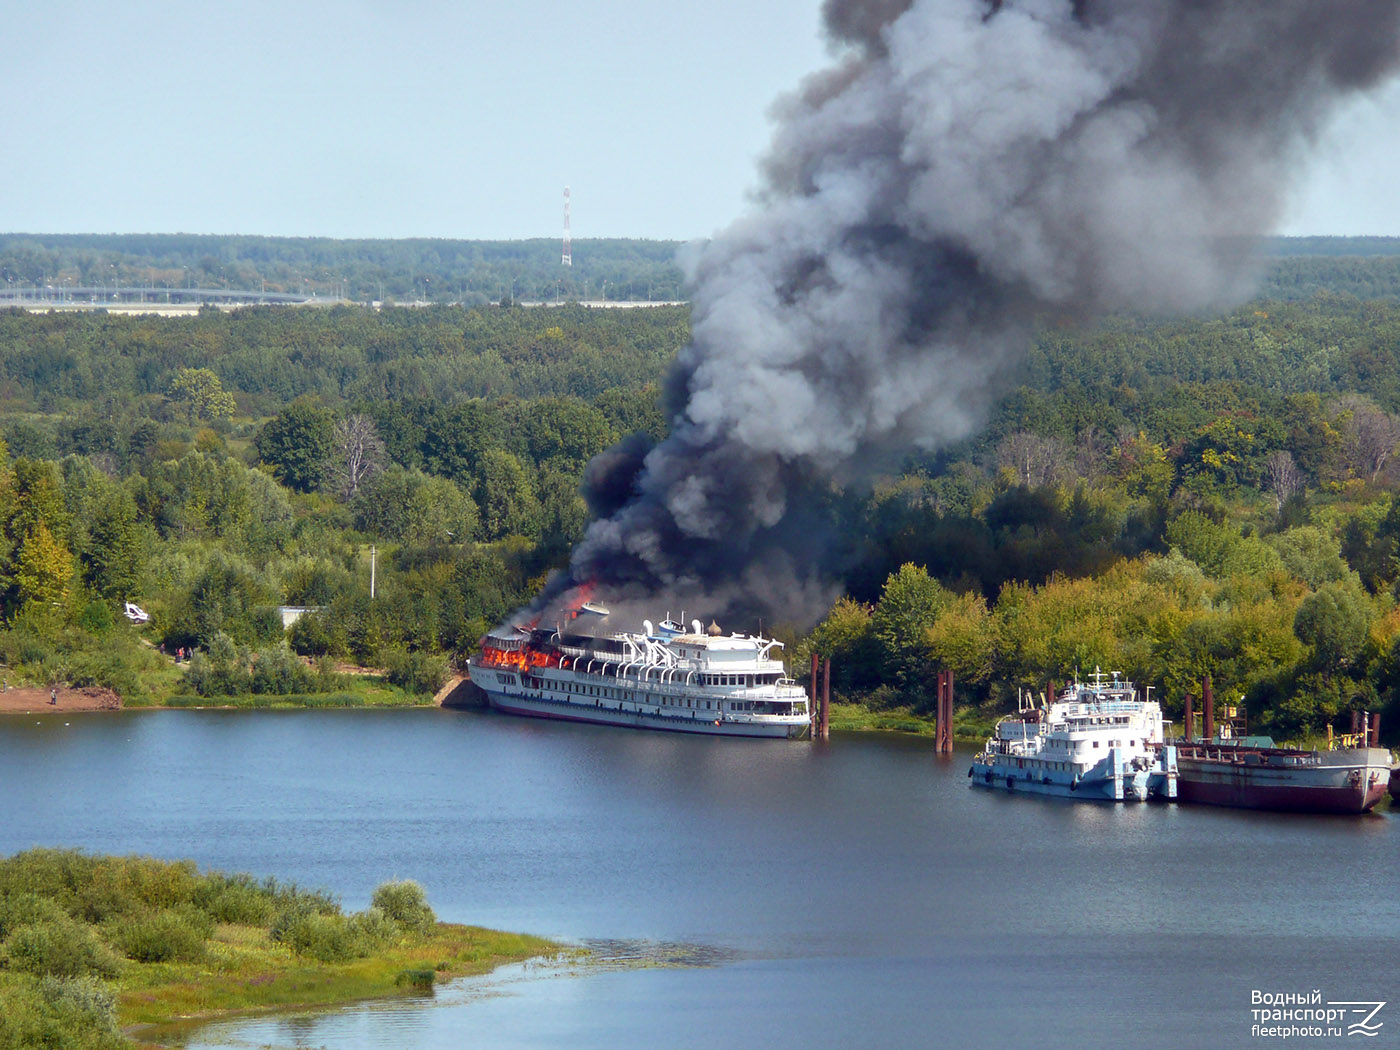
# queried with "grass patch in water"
point(247, 972)
point(91, 946)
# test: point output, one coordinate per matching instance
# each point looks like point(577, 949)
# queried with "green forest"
point(1165, 498)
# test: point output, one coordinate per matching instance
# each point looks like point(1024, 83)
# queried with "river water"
point(860, 894)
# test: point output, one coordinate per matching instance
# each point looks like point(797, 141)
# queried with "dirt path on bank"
point(30, 699)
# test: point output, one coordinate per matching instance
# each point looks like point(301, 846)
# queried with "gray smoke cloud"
point(963, 168)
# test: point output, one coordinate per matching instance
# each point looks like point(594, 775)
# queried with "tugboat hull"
point(1132, 786)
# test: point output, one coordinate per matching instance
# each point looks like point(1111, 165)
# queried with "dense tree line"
point(1168, 498)
point(421, 269)
point(164, 491)
point(266, 357)
point(475, 272)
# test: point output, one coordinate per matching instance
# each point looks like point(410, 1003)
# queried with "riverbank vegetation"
point(1165, 498)
point(94, 947)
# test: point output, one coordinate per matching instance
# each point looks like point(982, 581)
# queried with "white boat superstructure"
point(1096, 740)
point(663, 677)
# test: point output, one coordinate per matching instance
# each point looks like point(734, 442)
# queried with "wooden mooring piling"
point(820, 709)
point(1366, 728)
point(943, 728)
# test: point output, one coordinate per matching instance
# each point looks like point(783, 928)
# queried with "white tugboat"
point(1094, 741)
point(664, 677)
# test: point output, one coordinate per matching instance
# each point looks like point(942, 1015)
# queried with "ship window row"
point(590, 690)
point(1061, 766)
point(617, 694)
point(740, 679)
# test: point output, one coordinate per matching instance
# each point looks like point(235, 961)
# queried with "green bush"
point(63, 1014)
point(172, 935)
point(417, 672)
point(293, 910)
point(276, 670)
point(374, 928)
point(325, 938)
point(49, 873)
point(86, 1000)
point(219, 671)
point(185, 700)
point(63, 948)
point(404, 903)
point(96, 617)
point(20, 647)
point(230, 670)
point(309, 636)
point(236, 899)
point(116, 886)
point(25, 909)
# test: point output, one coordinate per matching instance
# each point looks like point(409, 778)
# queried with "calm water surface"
point(859, 895)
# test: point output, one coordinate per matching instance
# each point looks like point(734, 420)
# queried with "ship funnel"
point(646, 628)
point(695, 627)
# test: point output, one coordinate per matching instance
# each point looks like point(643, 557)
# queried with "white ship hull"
point(636, 716)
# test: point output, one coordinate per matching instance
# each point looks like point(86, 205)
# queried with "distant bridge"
point(79, 297)
point(158, 299)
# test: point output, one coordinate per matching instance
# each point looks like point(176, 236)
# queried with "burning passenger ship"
point(665, 677)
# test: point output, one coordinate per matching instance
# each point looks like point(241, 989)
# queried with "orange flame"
point(577, 598)
point(522, 660)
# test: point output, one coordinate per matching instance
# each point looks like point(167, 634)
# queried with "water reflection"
point(860, 894)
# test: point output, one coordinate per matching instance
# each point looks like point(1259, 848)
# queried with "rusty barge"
point(1225, 767)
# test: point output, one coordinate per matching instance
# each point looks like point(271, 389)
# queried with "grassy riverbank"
point(170, 691)
point(968, 725)
point(95, 951)
point(367, 694)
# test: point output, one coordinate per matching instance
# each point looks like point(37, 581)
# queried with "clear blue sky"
point(461, 119)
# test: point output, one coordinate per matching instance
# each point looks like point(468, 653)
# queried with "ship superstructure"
point(662, 677)
point(1096, 740)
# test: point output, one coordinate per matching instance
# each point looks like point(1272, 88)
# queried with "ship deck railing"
point(1268, 757)
point(675, 681)
point(1122, 706)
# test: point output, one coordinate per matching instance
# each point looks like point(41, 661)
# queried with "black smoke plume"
point(964, 167)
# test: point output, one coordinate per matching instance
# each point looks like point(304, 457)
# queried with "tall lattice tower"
point(568, 239)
